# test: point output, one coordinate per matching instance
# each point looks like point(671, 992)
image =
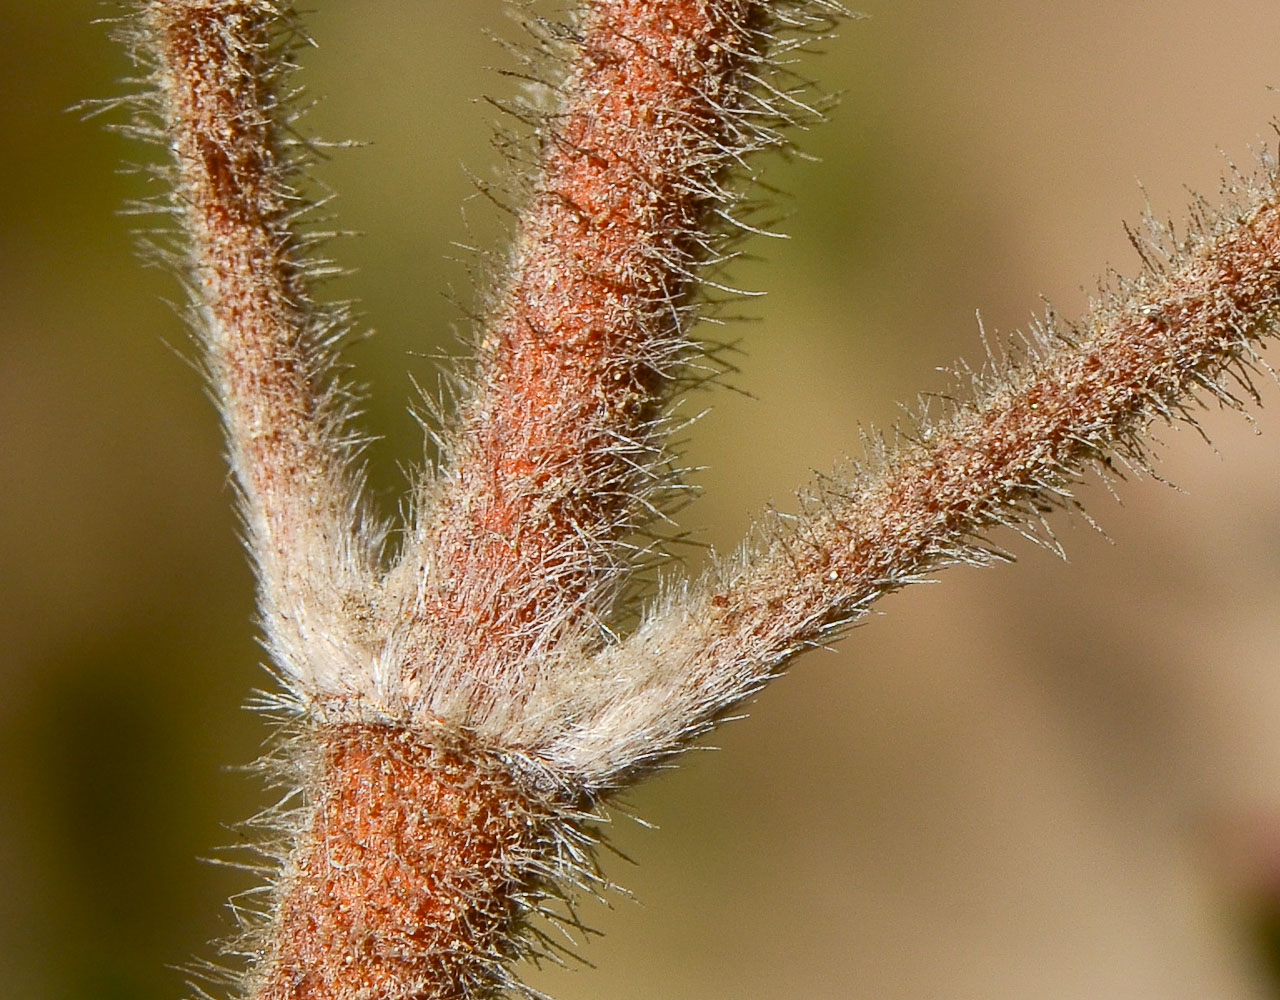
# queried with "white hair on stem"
point(460, 707)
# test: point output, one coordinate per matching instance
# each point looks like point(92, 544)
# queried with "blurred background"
point(1052, 779)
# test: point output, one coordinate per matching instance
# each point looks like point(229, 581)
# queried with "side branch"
point(217, 66)
point(459, 717)
point(1184, 331)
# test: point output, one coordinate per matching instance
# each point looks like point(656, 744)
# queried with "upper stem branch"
point(557, 454)
point(218, 65)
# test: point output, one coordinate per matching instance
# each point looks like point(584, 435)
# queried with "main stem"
point(415, 861)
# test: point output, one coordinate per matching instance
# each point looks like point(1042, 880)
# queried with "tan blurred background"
point(1051, 780)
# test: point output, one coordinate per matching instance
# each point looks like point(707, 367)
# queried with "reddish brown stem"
point(225, 147)
point(1012, 455)
point(556, 455)
point(407, 876)
point(432, 692)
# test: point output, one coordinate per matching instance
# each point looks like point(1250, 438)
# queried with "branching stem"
point(459, 716)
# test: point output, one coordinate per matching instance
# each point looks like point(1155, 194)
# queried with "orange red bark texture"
point(559, 451)
point(410, 870)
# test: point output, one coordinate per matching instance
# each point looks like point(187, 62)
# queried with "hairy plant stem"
point(465, 709)
point(1082, 397)
point(413, 865)
point(559, 440)
point(217, 66)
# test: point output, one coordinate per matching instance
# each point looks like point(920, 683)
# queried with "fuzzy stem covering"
point(216, 68)
point(466, 705)
point(557, 445)
point(416, 861)
point(1081, 396)
point(556, 456)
